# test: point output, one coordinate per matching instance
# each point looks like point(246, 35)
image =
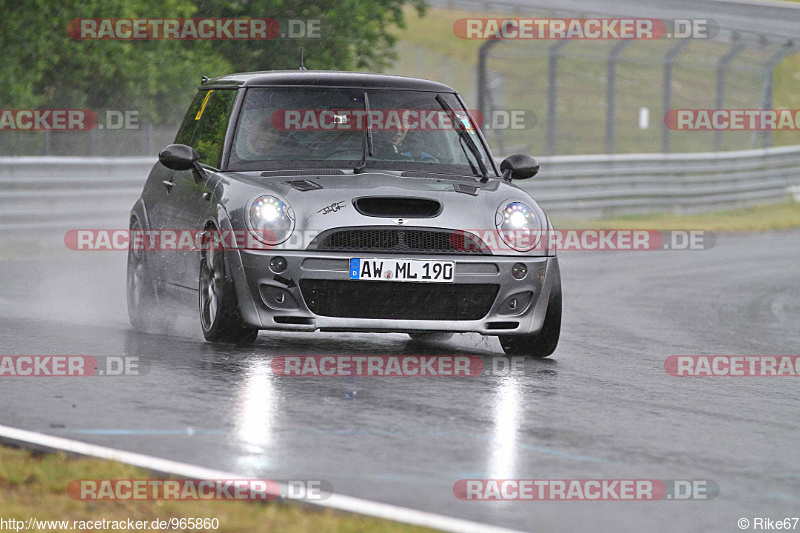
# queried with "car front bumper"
point(273, 301)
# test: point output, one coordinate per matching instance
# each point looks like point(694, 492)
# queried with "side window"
point(189, 123)
point(212, 122)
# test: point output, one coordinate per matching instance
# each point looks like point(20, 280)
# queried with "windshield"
point(325, 128)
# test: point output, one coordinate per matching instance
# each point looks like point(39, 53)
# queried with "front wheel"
point(544, 343)
point(219, 308)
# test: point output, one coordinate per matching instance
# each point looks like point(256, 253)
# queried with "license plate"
point(415, 270)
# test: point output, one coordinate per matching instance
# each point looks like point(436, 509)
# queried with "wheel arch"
point(233, 258)
point(139, 214)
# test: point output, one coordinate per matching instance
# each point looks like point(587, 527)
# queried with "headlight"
point(519, 226)
point(271, 220)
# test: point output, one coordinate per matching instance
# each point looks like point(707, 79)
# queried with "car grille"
point(392, 240)
point(398, 301)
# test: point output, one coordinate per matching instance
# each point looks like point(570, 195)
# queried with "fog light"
point(519, 271)
point(278, 264)
point(278, 298)
point(516, 304)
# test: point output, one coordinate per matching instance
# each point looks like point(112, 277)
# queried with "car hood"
point(322, 202)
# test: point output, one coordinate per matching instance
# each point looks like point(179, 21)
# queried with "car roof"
point(326, 78)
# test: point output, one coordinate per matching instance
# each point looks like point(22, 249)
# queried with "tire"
point(430, 337)
point(220, 318)
point(143, 307)
point(544, 343)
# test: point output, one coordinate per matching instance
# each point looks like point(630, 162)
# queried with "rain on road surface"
point(601, 407)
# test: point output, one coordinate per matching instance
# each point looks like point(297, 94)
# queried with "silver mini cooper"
point(339, 201)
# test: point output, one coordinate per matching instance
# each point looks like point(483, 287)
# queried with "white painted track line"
point(339, 502)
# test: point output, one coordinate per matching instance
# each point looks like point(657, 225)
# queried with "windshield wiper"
point(462, 132)
point(366, 141)
point(471, 166)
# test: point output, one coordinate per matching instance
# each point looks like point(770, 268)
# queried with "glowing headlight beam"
point(519, 226)
point(271, 220)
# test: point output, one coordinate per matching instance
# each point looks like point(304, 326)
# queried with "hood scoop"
point(397, 206)
point(304, 185)
point(466, 189)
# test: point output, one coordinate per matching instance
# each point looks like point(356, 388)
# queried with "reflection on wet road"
point(602, 407)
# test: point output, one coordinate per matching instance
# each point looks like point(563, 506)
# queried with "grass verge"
point(761, 218)
point(34, 485)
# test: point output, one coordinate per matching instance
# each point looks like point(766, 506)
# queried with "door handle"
point(168, 184)
point(207, 196)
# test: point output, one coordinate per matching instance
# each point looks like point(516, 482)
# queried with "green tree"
point(355, 34)
point(44, 67)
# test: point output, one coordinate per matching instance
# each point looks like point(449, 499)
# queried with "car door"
point(158, 198)
point(189, 198)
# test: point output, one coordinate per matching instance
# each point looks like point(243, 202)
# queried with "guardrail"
point(56, 192)
point(607, 185)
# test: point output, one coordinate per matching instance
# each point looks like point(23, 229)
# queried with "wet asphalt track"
point(602, 407)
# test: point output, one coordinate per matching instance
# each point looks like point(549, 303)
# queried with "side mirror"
point(179, 157)
point(519, 167)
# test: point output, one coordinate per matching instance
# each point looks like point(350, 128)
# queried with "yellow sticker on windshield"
point(203, 105)
point(466, 122)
